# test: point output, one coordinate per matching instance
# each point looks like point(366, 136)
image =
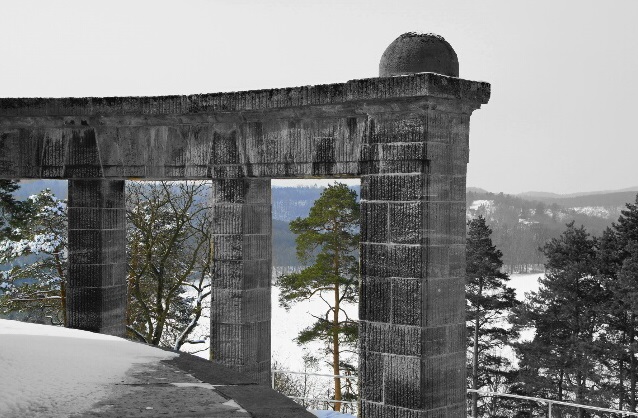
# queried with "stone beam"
point(301, 132)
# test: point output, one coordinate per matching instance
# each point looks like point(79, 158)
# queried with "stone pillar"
point(96, 290)
point(240, 309)
point(412, 306)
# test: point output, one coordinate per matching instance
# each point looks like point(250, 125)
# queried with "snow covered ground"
point(287, 324)
point(54, 372)
point(524, 283)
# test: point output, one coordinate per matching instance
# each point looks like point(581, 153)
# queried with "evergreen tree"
point(617, 256)
point(36, 252)
point(627, 293)
point(11, 210)
point(488, 300)
point(561, 361)
point(329, 238)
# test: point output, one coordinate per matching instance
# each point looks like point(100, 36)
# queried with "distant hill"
point(290, 203)
point(611, 199)
point(548, 195)
point(523, 223)
point(476, 190)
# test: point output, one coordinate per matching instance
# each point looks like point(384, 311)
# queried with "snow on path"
point(330, 414)
point(54, 372)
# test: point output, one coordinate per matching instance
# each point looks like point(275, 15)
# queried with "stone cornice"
point(371, 89)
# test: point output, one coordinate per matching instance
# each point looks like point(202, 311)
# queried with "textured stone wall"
point(299, 132)
point(412, 307)
point(96, 290)
point(240, 308)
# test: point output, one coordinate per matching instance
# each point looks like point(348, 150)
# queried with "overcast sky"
point(564, 74)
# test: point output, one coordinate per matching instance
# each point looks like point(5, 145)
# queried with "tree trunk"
point(335, 349)
point(561, 377)
point(632, 364)
point(60, 270)
point(475, 351)
point(63, 300)
point(621, 383)
point(580, 394)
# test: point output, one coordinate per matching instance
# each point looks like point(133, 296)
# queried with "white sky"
point(564, 73)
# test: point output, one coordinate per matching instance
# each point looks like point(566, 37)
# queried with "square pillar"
point(96, 289)
point(412, 304)
point(242, 254)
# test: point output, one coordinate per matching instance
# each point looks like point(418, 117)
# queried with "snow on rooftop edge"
point(55, 372)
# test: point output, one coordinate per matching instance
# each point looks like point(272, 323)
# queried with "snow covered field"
point(286, 325)
point(523, 283)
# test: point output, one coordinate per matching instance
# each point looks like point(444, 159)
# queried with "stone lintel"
point(389, 88)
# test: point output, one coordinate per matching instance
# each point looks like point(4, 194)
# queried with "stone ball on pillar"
point(419, 53)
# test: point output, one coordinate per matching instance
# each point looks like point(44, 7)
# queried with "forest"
point(521, 225)
point(573, 340)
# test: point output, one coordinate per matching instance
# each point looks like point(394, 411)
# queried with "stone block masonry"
point(405, 136)
point(240, 318)
point(412, 307)
point(97, 289)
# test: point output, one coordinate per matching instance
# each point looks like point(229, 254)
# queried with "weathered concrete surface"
point(298, 132)
point(240, 308)
point(188, 387)
point(96, 290)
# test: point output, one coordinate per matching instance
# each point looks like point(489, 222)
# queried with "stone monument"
point(404, 134)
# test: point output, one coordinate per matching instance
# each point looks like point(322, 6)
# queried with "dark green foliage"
point(561, 362)
point(327, 241)
point(488, 300)
point(11, 210)
point(283, 244)
point(618, 270)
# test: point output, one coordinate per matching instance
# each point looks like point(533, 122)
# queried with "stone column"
point(412, 306)
point(96, 290)
point(240, 309)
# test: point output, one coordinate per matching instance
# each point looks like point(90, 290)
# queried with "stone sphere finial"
point(419, 53)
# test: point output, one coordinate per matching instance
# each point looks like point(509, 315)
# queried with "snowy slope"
point(54, 372)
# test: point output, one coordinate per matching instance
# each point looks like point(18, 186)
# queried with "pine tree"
point(561, 361)
point(617, 258)
point(11, 210)
point(488, 301)
point(328, 237)
point(35, 284)
point(628, 293)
